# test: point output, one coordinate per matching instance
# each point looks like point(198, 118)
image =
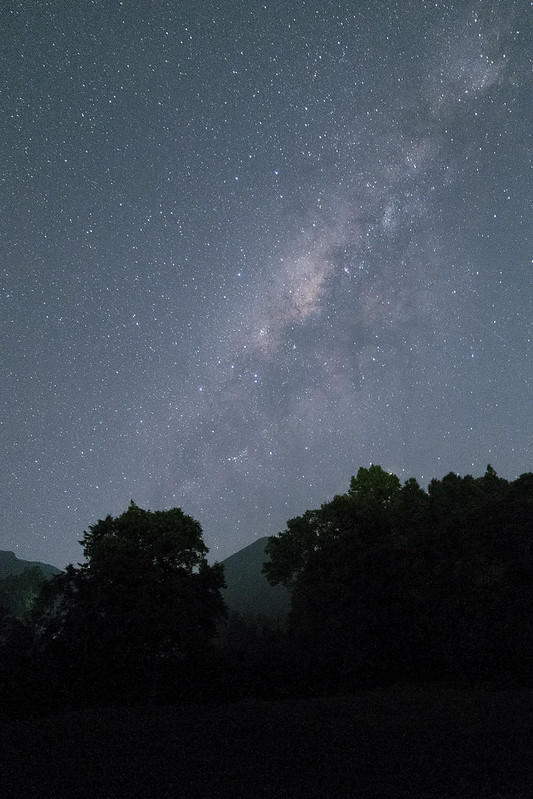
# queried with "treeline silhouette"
point(389, 583)
point(392, 583)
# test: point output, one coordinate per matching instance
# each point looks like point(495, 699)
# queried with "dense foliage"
point(137, 619)
point(391, 582)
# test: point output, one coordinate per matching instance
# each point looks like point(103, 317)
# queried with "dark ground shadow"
point(404, 742)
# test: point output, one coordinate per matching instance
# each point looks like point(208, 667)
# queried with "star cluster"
point(249, 247)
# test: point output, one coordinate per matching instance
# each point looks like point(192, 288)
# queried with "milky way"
point(247, 251)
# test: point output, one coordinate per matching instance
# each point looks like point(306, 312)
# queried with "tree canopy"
point(389, 579)
point(367, 504)
point(145, 602)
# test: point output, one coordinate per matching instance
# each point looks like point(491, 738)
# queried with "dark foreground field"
point(402, 742)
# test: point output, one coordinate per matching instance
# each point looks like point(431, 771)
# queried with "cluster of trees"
point(389, 583)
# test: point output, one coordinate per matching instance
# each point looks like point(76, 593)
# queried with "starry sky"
point(248, 247)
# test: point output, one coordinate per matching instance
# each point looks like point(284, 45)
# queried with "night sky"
point(248, 247)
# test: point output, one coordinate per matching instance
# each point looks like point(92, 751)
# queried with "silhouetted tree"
point(138, 617)
point(366, 505)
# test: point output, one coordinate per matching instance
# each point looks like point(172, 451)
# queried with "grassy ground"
point(403, 742)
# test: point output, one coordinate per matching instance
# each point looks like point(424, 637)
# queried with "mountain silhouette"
point(21, 582)
point(248, 592)
point(11, 565)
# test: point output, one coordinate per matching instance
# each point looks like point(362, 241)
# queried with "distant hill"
point(21, 582)
point(248, 591)
point(11, 565)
